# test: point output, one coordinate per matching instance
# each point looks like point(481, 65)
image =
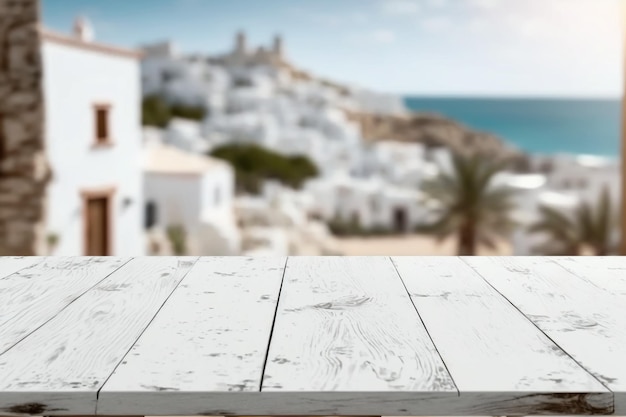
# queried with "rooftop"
point(166, 159)
point(82, 37)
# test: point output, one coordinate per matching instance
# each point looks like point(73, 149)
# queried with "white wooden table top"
point(313, 336)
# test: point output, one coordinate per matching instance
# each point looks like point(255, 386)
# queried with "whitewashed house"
point(586, 175)
point(186, 135)
point(369, 203)
point(93, 140)
point(193, 192)
point(182, 79)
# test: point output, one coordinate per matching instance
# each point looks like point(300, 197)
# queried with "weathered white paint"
point(347, 324)
point(467, 318)
point(585, 321)
point(32, 296)
point(66, 361)
point(212, 335)
point(12, 264)
point(74, 80)
point(607, 273)
point(347, 339)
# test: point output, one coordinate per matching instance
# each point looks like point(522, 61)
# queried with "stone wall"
point(24, 172)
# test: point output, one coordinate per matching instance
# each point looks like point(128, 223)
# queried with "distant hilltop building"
point(242, 55)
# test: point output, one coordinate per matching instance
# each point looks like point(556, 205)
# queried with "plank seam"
point(142, 332)
point(544, 333)
point(582, 278)
point(62, 309)
point(269, 342)
point(21, 269)
point(458, 392)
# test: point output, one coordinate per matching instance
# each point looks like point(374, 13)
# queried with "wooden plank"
point(35, 294)
point(11, 264)
point(501, 363)
point(348, 341)
point(210, 338)
point(58, 369)
point(607, 273)
point(584, 320)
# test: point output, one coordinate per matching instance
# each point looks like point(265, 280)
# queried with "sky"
point(508, 48)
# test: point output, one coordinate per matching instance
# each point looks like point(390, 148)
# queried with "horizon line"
point(510, 96)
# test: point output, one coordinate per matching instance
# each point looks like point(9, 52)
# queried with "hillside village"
point(167, 196)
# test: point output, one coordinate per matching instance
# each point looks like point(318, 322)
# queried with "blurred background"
point(352, 127)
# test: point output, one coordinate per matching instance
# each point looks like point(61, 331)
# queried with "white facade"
point(370, 203)
point(585, 175)
point(195, 192)
point(79, 76)
point(186, 135)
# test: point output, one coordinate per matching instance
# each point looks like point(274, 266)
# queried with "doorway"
point(400, 219)
point(97, 219)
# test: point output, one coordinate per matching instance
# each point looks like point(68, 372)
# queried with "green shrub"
point(178, 238)
point(188, 112)
point(157, 112)
point(254, 164)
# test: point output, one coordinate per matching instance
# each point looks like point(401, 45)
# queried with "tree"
point(468, 205)
point(588, 226)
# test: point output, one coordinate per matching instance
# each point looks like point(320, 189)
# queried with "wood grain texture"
point(210, 337)
point(12, 264)
point(182, 336)
point(606, 273)
point(346, 324)
point(495, 355)
point(35, 294)
point(584, 319)
point(58, 369)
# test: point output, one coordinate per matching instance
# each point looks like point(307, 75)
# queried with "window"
point(151, 214)
point(102, 121)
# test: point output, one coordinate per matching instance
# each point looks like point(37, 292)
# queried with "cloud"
point(400, 7)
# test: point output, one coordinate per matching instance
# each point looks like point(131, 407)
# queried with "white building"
point(585, 175)
point(193, 192)
point(93, 139)
point(372, 204)
point(186, 135)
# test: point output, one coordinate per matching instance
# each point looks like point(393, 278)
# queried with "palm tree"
point(586, 227)
point(468, 205)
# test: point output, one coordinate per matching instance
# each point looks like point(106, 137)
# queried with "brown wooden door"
point(97, 233)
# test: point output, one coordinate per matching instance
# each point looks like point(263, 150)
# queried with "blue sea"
point(543, 126)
